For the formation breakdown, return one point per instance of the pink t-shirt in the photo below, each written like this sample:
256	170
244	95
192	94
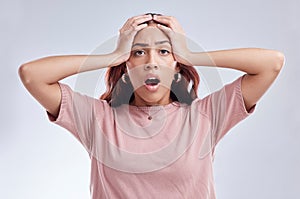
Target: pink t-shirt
169	156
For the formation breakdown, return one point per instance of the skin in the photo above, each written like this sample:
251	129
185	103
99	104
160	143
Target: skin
41	76
261	66
151	55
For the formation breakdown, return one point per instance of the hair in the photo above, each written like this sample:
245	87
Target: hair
118	92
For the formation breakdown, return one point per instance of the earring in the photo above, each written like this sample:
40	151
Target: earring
177	77
124	78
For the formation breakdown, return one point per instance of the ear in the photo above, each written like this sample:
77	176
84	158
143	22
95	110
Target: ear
177	68
127	64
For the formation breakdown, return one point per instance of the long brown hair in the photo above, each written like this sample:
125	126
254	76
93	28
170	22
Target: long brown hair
118	93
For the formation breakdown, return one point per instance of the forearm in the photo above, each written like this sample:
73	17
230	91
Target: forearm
252	61
50	70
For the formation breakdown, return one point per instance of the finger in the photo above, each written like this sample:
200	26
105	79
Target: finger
165	29
141	26
130	20
172	25
134	21
164	19
135	27
170	22
141	20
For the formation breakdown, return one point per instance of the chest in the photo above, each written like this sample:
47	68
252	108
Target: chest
129	145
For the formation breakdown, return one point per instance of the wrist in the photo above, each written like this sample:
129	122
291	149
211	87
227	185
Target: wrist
116	58
185	57
200	59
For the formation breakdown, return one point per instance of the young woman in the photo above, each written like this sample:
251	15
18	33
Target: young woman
150	136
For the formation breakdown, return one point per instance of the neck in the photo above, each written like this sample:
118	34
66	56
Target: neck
138	101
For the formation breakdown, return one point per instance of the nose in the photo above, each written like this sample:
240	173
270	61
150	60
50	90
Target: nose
151	66
151	62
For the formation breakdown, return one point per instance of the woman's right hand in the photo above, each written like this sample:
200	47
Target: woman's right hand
126	37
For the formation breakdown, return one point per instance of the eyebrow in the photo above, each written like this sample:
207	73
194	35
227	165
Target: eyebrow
156	43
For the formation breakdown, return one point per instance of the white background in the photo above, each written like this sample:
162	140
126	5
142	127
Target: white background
258	159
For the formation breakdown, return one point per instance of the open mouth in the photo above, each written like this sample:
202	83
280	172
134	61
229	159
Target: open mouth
152	83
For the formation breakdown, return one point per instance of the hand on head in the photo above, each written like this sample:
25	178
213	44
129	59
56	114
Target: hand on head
176	34
169	25
126	37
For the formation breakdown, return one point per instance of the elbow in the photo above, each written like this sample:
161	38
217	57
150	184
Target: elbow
279	61
25	74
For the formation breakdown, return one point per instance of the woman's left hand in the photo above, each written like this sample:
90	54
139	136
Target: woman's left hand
176	34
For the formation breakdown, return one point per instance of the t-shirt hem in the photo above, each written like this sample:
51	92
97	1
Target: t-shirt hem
240	95
62	105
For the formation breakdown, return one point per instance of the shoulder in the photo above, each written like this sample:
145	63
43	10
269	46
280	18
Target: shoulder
221	97
80	99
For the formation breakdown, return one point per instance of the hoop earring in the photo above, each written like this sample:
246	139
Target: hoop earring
177	77
124	78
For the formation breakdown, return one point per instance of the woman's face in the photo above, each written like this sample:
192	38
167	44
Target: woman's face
151	67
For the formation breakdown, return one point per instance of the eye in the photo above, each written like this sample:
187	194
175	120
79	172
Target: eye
138	52
164	52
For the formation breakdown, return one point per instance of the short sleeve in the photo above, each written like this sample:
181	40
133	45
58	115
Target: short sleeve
226	108
76	114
